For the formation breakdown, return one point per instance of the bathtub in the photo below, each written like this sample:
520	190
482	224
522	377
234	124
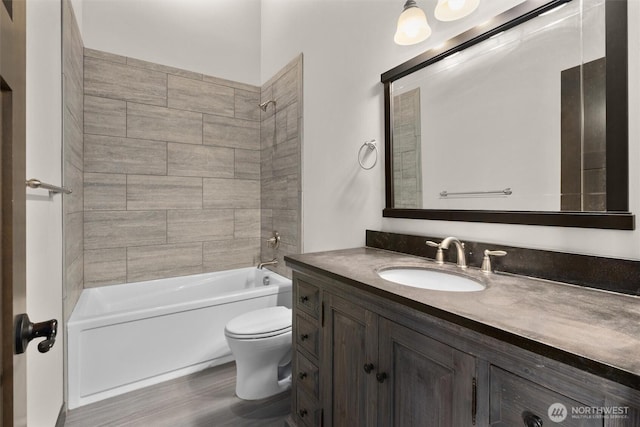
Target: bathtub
125	337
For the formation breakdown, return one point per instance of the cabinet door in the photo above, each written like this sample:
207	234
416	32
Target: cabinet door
349	342
427	382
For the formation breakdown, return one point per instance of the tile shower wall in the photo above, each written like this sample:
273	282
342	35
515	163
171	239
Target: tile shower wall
281	163
171	171
73	216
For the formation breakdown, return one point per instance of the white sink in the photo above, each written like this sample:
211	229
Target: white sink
430	279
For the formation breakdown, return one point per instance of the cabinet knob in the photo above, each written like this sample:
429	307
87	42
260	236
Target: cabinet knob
368	367
381	376
303	413
302	375
531	420
304	337
304	299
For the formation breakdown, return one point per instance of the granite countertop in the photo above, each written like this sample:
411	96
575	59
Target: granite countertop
593	330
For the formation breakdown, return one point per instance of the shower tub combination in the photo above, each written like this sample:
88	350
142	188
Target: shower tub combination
125	337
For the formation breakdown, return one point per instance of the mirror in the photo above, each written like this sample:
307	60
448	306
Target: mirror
520	120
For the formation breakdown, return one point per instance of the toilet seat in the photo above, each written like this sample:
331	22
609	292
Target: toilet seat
263	323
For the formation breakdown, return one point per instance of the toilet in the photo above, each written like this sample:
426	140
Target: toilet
260	341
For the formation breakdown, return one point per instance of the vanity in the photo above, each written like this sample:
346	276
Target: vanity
523	351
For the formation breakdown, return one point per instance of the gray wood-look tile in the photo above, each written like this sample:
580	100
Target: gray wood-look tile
118	81
200	160
73	236
204	399
105	191
163	124
267	132
160	261
116	229
146	192
105	267
230	132
231	83
100	54
229	254
286	158
72	140
163	68
246	105
286	87
110	154
230	193
199	225
73	180
280	192
281	126
194	95
293	116
247	223
287	222
104	116
73	99
73	284
247	164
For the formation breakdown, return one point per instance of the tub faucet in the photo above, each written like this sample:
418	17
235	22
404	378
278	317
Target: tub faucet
462	260
272	262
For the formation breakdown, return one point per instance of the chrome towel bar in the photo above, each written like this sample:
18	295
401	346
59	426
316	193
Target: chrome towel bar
506	192
36	183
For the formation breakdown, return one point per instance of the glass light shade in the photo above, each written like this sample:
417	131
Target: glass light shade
450	10
412	26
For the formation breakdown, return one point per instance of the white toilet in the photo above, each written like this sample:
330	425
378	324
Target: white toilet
260	341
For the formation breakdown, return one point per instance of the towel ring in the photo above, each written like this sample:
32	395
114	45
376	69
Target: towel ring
370	145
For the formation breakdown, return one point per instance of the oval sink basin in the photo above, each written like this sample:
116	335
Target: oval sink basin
430	279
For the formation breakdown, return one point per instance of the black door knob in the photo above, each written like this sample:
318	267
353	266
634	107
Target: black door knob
304	299
25	331
531	420
368	367
381	376
304	337
303	413
302	375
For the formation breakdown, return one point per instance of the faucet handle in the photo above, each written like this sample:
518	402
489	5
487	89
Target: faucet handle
486	261
439	253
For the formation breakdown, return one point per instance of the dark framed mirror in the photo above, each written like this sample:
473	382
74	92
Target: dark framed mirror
556	157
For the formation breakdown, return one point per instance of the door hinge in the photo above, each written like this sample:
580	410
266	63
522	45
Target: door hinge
474	401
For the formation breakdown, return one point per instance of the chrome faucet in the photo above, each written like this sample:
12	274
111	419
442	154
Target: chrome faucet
273	262
462	260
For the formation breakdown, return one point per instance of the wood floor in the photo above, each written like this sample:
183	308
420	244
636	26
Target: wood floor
203	399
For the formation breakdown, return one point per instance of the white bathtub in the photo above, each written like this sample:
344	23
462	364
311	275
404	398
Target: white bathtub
124	337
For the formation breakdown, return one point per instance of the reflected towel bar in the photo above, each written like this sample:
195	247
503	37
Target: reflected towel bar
506	192
36	183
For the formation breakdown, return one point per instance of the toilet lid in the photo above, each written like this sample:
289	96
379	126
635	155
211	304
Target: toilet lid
260	322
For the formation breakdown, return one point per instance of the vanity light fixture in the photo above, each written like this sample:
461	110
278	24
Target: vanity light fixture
412	25
451	10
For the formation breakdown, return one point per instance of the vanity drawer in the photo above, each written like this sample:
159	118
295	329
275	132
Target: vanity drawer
308	411
308	298
514	399
307	335
307	375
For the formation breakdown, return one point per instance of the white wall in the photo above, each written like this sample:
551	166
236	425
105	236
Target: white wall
346	46
215	37
44	213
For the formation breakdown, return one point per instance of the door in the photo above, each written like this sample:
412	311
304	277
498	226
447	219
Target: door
350	352
427	383
12	200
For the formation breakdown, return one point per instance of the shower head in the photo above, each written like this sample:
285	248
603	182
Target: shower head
265	104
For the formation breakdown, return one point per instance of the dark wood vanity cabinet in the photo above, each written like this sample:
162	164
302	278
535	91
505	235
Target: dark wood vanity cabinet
361	360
